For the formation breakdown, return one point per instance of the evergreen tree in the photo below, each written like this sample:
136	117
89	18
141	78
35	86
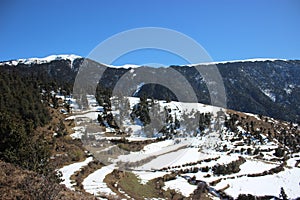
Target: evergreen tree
100	120
141	111
22	110
282	194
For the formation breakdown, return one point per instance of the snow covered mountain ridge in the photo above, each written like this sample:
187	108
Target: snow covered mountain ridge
263	86
72	57
47	59
236	61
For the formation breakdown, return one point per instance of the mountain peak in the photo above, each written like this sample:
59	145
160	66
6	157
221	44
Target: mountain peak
47	59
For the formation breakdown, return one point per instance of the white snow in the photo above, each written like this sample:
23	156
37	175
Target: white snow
254	166
267	185
288	90
269	94
146	176
72	57
126	66
153	149
292	161
69	170
176	158
79	132
95	184
170	153
92	115
138	88
47	59
235	61
253	115
181	185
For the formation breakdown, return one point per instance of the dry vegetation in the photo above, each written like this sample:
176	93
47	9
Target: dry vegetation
64	149
16	183
80	175
128	182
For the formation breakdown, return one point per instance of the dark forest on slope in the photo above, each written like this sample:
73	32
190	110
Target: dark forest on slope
270	88
21	112
26	142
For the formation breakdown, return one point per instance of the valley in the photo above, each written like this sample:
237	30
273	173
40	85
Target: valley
108	146
222	163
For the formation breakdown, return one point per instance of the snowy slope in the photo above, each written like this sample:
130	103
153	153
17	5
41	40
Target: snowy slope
185	153
70	57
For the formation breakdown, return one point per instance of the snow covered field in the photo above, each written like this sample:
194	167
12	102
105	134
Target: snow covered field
175	154
267	185
181	185
154	149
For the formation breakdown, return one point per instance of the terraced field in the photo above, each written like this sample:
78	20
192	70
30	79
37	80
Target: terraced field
218	163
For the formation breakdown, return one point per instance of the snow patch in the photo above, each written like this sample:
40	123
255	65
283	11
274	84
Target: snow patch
181	185
266	185
126	66
95	184
69	170
268	93
47	59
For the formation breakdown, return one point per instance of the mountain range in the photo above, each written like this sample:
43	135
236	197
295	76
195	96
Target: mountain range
269	87
103	143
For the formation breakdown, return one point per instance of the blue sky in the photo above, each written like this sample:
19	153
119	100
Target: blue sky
228	30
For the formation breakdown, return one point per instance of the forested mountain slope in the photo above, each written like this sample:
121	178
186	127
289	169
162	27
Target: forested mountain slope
267	87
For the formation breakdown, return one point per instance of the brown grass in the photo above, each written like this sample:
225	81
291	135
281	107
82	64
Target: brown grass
17	183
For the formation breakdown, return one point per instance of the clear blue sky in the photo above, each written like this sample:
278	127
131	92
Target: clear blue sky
228	30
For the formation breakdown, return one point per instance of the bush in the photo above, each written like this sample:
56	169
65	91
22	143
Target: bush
246	197
279	152
76	155
230	168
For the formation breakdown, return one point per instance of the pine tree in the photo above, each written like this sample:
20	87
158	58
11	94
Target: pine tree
100	120
282	194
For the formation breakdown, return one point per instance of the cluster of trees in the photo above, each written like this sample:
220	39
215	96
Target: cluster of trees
282	196
141	111
20	96
121	105
196	122
103	95
163	120
167	122
107	119
170	123
231	122
21	112
204	121
290	138
230	168
255	130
